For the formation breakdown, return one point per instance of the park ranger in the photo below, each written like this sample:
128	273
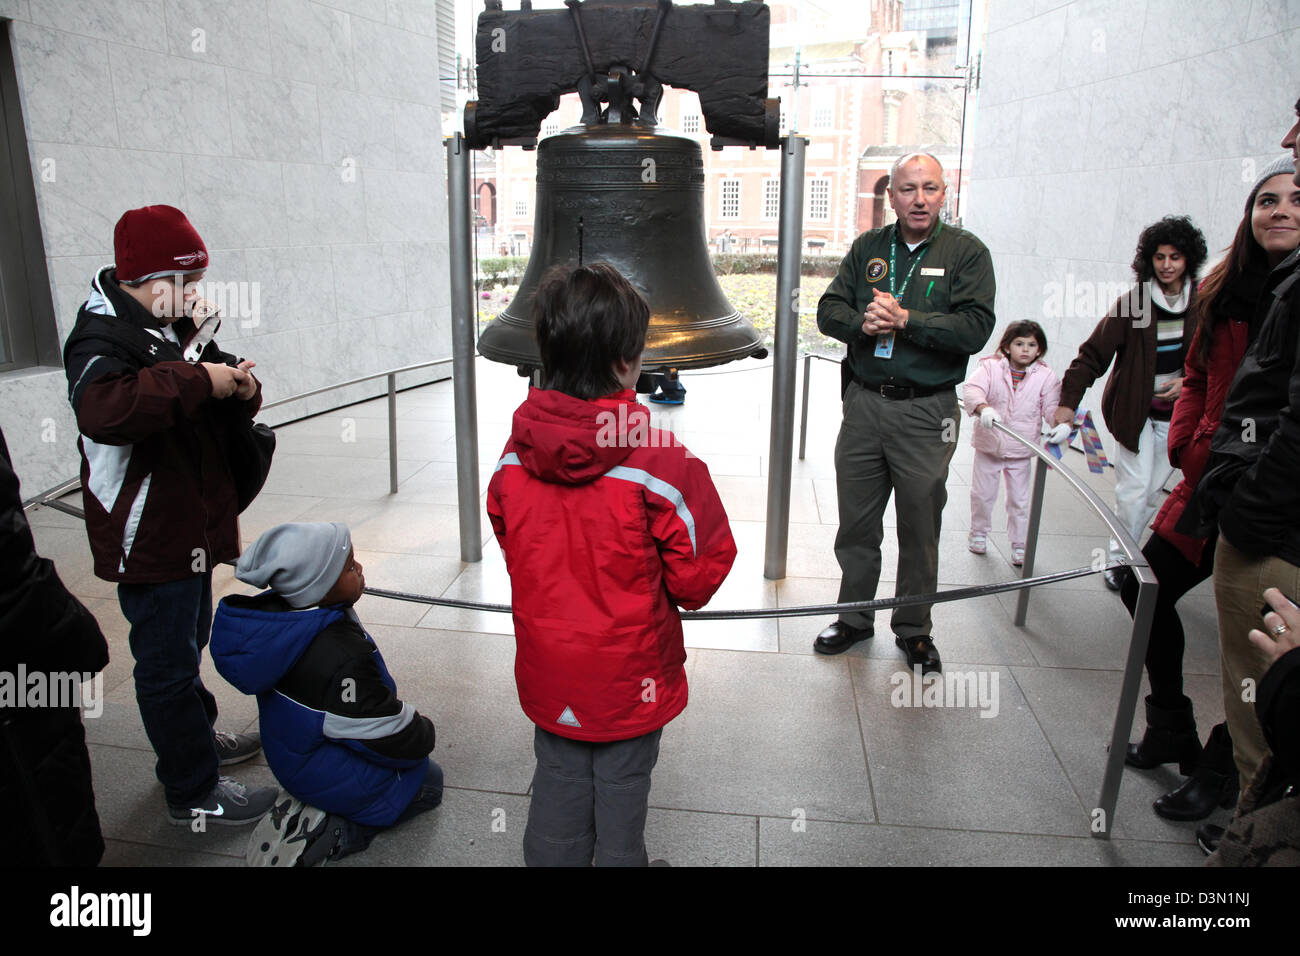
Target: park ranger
913	301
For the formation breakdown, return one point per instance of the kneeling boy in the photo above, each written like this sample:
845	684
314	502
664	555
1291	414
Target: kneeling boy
354	756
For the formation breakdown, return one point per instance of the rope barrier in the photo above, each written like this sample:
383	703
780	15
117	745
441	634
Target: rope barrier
803	610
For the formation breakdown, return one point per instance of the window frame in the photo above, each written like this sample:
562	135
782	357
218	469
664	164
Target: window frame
812	182
722	198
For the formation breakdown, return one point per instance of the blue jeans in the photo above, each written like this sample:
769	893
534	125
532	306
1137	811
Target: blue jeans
170	624
357	836
671	387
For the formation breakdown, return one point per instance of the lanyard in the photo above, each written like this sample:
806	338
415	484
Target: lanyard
893	252
885	341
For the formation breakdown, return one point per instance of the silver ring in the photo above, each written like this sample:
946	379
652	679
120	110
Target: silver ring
1279	630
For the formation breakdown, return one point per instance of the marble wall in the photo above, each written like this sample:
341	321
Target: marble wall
303	139
1097	117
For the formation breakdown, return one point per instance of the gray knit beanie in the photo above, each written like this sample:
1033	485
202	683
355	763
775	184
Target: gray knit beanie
300	562
1283	164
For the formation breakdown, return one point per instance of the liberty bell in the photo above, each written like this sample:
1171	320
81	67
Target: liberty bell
619	189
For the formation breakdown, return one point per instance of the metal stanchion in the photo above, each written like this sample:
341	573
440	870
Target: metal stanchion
1031	539
462	348
803	418
392	433
784	357
1103	815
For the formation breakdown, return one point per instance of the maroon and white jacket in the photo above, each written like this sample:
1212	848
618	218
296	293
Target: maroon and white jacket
159	497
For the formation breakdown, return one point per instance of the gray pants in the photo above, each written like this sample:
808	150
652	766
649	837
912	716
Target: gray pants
901	446
589	801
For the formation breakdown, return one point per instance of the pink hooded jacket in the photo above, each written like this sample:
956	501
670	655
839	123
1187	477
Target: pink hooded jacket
1022	409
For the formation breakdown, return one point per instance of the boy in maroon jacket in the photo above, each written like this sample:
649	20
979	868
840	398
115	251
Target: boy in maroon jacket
607	525
152	394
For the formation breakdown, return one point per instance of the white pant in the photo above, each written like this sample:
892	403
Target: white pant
1138	480
984	492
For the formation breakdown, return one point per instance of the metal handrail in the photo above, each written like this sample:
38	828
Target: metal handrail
1119	532
49	496
1102	816
355	381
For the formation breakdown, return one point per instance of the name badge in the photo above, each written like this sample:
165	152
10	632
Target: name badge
931	272
885	345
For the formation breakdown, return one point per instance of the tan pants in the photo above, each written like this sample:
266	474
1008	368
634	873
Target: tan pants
901	448
1239	584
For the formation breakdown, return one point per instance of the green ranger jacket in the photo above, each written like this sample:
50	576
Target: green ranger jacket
949	300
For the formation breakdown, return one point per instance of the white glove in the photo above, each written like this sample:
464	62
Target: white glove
989	415
1059	435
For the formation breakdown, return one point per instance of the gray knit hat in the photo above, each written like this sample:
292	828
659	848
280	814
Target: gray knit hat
300	562
1283	164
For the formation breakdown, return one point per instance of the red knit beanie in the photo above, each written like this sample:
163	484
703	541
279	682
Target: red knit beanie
155	241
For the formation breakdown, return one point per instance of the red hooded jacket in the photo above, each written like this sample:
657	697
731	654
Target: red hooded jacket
607	525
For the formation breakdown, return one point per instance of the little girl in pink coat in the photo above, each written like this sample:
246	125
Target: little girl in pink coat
1015	388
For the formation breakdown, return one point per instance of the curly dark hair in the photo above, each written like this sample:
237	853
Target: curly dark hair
1176	231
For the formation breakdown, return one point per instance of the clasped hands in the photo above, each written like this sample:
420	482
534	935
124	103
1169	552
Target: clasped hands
230	380
884	314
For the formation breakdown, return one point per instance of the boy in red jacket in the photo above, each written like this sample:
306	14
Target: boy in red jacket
607	525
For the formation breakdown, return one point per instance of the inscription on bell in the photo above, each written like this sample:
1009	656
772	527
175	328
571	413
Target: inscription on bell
619	176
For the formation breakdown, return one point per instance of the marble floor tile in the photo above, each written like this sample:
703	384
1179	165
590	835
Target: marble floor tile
465	683
1076	710
952	766
841	844
777	732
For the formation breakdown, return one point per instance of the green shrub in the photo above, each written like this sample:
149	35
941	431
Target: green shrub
754	263
501	269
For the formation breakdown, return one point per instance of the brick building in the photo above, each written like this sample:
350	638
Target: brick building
866	95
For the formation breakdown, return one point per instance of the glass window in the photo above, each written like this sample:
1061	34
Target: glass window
771	198
691	123
521	206
819	200
731	199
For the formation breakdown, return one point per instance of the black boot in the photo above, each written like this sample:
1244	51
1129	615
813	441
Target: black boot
1170	738
1214	784
1208	836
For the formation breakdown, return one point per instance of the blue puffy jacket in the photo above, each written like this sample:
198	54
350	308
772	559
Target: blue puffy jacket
333	730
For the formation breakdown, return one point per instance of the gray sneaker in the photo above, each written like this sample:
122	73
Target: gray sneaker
286	833
230	804
236	748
